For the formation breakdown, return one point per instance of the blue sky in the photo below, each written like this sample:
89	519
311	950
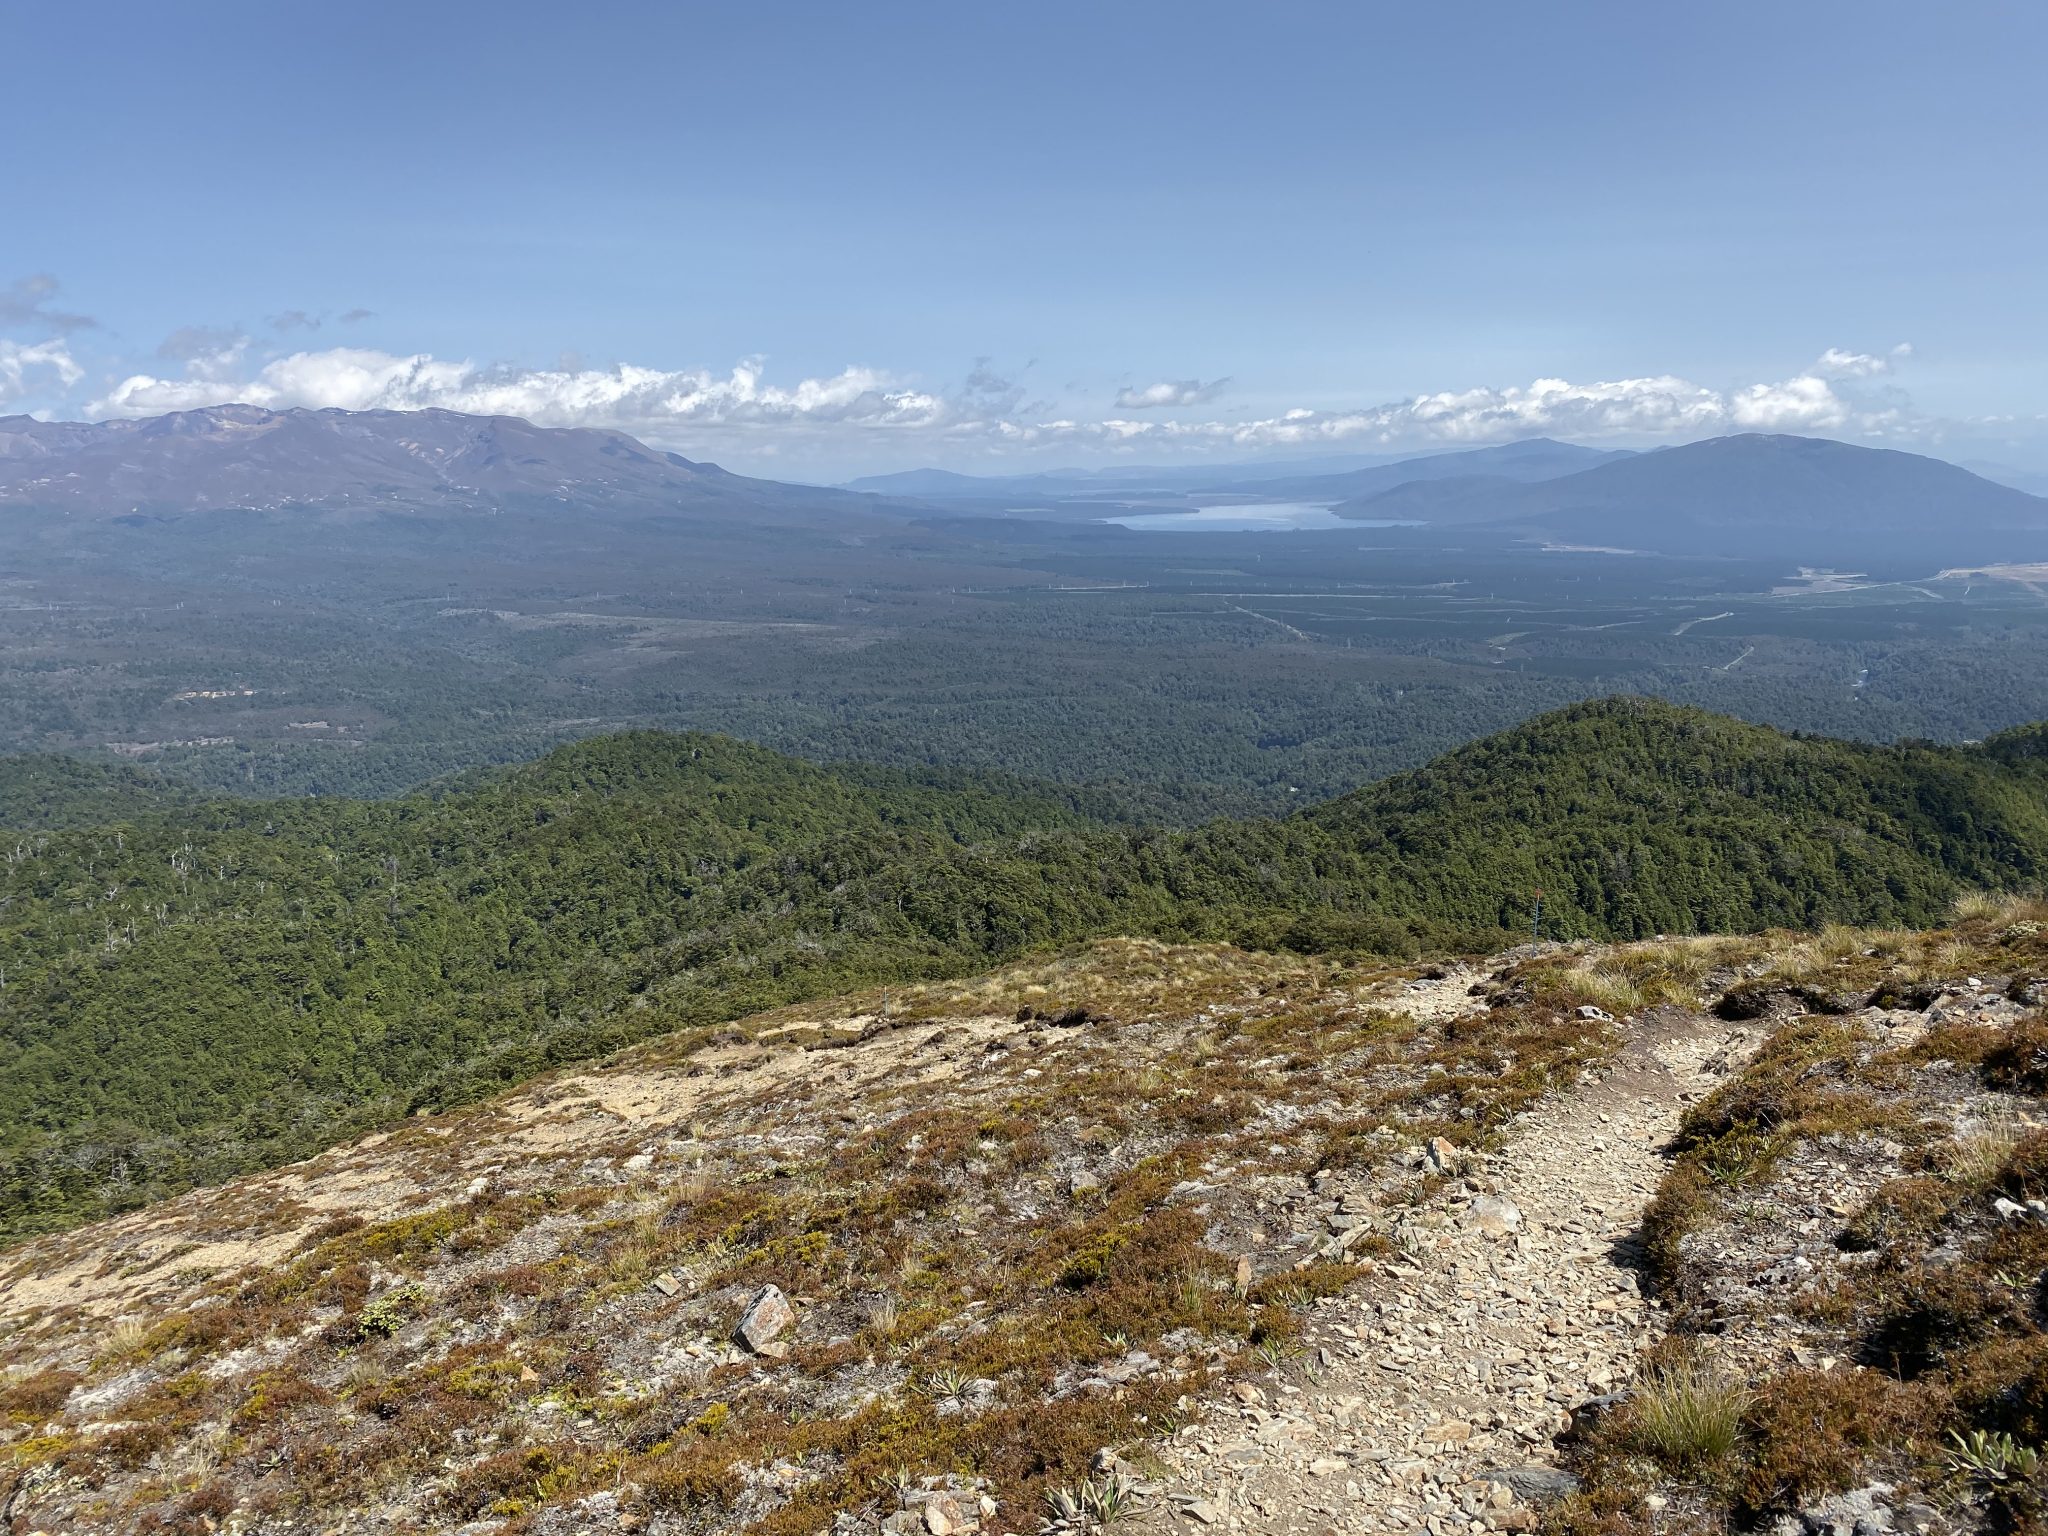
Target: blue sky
821	239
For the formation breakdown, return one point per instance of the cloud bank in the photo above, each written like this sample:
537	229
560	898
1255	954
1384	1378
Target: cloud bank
668	405
630	398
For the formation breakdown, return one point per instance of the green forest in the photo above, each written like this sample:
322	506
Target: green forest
191	987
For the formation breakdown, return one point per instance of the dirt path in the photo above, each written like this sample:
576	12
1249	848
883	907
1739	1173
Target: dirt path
1463	1360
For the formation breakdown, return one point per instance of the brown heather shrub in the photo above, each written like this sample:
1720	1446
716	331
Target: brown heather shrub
2020	1061
697	1475
514	1480
1814	1433
2025	1175
37	1398
272	1398
2003	1388
1931	1315
327	1231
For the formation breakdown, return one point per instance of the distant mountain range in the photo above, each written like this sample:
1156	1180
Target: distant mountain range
1750	492
1742	489
245	457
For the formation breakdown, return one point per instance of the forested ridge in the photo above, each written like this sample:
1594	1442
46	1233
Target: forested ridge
203	987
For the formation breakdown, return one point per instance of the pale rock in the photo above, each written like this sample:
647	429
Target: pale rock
1494	1215
767	1317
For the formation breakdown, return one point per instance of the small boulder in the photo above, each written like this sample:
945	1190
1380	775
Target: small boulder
1494	1215
767	1317
1440	1156
943	1516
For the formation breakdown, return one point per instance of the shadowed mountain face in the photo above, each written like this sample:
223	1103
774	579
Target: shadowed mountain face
1730	492
241	456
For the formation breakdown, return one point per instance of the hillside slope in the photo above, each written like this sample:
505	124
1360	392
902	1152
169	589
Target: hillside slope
1182	1235
229	984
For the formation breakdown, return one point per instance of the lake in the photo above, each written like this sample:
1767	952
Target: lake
1252	517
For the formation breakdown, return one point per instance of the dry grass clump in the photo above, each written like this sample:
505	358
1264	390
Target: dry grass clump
1998	909
1687	1415
1628	977
1983	1147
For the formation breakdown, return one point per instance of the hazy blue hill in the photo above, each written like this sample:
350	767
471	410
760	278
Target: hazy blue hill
1724	492
1535	459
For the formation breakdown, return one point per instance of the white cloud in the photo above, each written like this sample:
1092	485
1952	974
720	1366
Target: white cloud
626	397
1647	407
1835	363
1805	404
17	362
1169	392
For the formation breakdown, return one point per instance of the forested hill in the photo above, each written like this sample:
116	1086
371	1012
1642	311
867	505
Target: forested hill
1639	818
194	991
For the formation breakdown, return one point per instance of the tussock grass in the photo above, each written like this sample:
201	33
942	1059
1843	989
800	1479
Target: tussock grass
1687	1415
1630	977
2000	909
1983	1147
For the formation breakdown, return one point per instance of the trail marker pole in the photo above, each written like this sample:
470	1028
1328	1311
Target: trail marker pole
1536	923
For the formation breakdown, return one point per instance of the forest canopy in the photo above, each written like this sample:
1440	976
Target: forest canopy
193	988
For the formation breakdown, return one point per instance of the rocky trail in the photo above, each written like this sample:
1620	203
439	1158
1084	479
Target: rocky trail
1430	1397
